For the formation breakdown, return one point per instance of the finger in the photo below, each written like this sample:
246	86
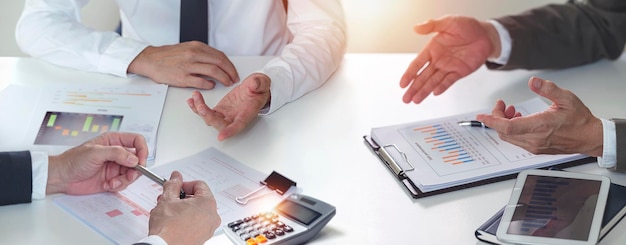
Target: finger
429	86
126	140
212	71
195	81
418	83
498	109
429	26
119	183
171	188
199	105
119	155
549	90
191	105
232	129
219	59
446	83
210	117
414	67
197	188
510	112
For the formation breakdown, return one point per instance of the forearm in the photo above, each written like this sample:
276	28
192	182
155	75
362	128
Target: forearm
314	54
52	30
565	35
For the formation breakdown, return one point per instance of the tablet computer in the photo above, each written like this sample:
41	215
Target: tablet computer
554	207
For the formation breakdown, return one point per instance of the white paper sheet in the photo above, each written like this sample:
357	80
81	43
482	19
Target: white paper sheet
445	154
123	217
62	116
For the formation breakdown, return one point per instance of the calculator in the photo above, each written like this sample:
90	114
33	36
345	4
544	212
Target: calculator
295	220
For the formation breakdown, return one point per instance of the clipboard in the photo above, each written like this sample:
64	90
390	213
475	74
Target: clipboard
395	167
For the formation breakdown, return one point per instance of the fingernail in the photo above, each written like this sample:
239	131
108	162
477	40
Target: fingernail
115	184
536	82
132	159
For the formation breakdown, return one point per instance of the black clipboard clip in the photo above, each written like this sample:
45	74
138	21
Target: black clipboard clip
276	182
387	159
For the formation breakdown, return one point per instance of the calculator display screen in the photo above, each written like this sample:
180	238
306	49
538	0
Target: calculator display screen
298	212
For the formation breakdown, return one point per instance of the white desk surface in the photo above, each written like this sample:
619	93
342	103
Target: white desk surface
317	141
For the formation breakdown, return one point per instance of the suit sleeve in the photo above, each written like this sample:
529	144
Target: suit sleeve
620	137
15	177
565	35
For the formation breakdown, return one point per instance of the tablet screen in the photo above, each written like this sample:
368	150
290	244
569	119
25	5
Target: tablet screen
555	207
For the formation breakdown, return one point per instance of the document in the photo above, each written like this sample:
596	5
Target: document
440	153
63	116
123	217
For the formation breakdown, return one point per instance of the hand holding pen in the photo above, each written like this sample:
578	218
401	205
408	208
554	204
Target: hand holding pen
184	221
158	179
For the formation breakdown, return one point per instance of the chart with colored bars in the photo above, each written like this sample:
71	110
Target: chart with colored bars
447	148
68	128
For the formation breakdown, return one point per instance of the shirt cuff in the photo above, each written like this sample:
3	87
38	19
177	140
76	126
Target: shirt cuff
117	58
152	240
39	161
609	148
281	89
505	43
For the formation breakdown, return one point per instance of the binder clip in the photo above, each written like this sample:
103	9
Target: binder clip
275	182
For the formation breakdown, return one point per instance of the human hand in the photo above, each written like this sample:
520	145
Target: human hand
567	126
192	220
460	47
104	163
188	64
237	109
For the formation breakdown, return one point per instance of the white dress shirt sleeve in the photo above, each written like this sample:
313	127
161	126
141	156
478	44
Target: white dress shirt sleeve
52	30
609	149
153	240
39	161
314	54
505	43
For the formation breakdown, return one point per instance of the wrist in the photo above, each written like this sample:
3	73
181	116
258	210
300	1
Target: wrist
139	65
494	39
55	183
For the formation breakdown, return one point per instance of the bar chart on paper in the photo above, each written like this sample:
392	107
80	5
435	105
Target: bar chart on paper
68	128
447	148
70	115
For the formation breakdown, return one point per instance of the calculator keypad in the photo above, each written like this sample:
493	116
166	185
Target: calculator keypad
260	228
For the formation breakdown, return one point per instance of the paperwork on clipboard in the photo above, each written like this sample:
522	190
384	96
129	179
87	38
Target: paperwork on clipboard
437	156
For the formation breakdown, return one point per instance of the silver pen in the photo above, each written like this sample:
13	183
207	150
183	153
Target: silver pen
158	179
473	123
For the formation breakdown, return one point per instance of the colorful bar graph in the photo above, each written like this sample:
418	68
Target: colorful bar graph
67	128
442	141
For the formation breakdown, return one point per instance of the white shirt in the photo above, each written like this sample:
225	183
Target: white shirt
609	145
309	39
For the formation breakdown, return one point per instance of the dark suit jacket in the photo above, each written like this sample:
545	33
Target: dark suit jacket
567	35
16	177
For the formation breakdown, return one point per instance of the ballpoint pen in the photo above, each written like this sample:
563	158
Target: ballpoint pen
473	123
158	179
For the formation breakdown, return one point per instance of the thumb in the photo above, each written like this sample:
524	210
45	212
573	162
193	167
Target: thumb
426	27
171	188
120	155
548	89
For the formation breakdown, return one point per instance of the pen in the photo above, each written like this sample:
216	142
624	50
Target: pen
473	123
151	175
